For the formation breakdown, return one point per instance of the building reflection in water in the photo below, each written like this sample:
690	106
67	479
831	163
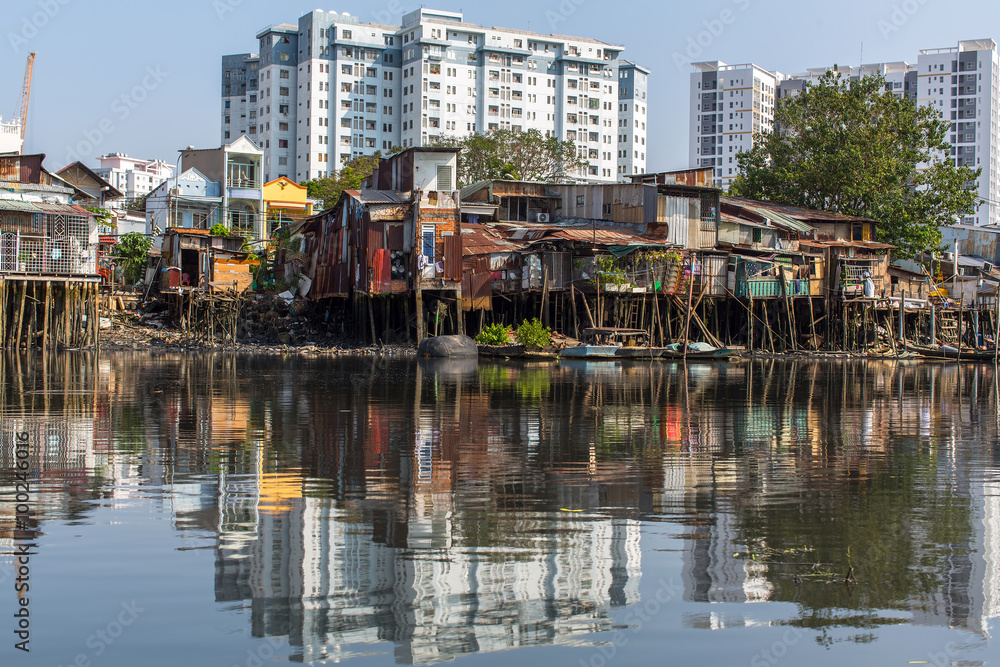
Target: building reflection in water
452	508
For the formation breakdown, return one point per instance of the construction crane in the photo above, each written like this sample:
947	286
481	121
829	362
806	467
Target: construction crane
22	110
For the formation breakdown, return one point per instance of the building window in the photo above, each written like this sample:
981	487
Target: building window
427	242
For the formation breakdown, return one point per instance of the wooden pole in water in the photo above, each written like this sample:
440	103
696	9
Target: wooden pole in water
687	319
812	325
656	313
590	316
750	321
419	298
46	333
788	311
543	314
3	313
576	320
767	328
958	330
20	312
996	330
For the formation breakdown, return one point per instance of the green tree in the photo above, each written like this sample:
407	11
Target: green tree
219	229
138	204
132	254
512	155
103	216
856	148
350	177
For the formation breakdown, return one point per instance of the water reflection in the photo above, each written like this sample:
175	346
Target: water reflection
453	507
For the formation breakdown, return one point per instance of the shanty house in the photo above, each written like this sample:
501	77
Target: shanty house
193	259
42	231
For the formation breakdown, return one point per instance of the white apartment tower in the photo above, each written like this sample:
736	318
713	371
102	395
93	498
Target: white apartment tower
239	95
632	80
729	105
332	88
961	82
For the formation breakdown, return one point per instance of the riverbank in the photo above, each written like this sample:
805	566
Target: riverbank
125	335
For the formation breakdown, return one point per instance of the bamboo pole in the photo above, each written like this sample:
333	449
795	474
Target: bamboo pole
656	313
958	330
543	314
770	331
3	314
996	333
812	324
687	322
590	316
20	316
576	319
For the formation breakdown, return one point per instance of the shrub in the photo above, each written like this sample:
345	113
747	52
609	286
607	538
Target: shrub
218	229
532	333
494	334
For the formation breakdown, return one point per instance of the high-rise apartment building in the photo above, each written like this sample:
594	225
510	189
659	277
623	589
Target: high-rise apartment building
331	88
961	82
730	104
632	86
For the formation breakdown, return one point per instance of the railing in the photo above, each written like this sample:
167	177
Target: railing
45	255
771	288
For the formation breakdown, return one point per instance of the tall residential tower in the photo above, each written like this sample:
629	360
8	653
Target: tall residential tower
331	88
961	82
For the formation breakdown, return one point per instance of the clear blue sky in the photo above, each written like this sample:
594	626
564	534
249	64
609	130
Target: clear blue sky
144	78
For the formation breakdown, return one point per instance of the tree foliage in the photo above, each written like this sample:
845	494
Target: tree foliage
350	177
513	155
131	253
853	147
104	218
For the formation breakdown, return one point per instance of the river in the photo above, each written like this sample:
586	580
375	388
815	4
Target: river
210	509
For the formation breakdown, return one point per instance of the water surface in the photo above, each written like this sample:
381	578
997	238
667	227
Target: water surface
221	510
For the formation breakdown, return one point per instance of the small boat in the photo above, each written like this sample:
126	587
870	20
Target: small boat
950	352
612	343
698	351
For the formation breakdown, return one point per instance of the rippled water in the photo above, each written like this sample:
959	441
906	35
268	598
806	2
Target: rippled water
218	510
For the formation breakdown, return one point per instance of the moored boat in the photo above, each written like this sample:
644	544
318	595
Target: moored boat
613	343
698	351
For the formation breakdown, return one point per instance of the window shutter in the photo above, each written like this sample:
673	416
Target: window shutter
444	178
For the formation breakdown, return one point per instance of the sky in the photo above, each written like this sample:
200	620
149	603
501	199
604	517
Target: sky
144	78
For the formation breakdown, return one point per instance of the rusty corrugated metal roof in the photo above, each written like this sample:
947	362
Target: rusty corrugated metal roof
479	239
797	212
870	245
602	236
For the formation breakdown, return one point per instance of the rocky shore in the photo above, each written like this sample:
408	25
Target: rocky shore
127	333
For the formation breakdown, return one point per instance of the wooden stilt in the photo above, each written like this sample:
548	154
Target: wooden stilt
576	318
20	313
420	314
813	343
590	317
767	329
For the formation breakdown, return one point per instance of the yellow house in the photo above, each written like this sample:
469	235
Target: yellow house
284	202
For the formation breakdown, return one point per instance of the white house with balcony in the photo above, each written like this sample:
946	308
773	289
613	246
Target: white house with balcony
237	167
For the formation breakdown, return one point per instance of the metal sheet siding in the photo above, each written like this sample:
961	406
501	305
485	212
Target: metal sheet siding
676	212
453	257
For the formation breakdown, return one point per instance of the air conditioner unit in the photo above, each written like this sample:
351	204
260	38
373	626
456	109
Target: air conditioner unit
543	217
987	267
